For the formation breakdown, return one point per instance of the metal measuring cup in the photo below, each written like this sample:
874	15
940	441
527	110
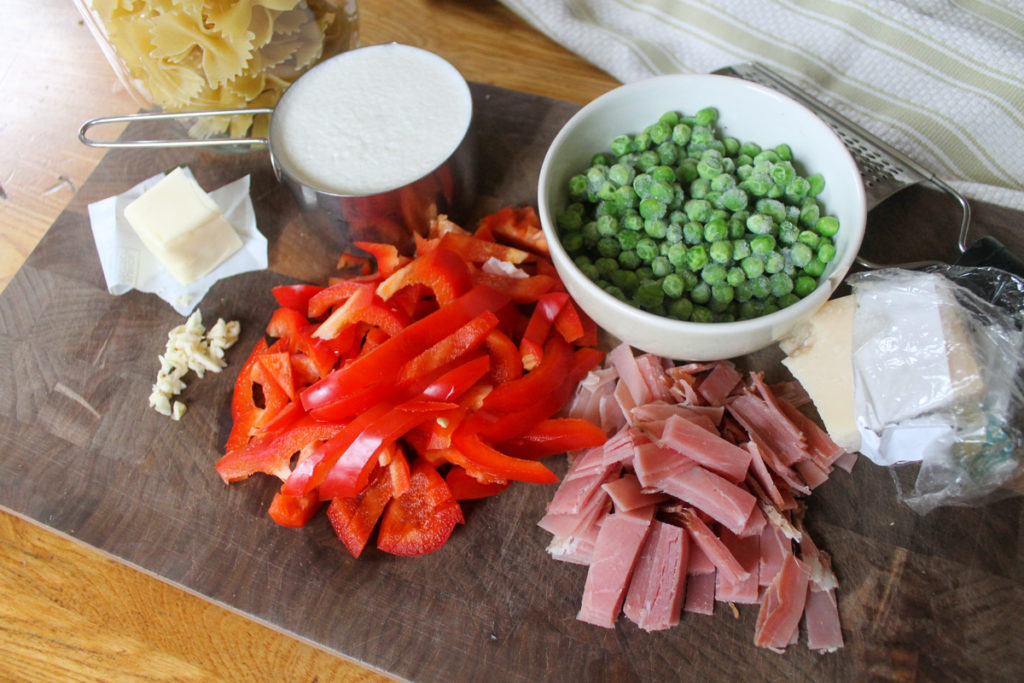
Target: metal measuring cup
392	215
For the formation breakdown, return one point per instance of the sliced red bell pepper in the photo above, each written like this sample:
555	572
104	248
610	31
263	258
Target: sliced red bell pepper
569	324
345	314
293	325
353	519
553	436
398	468
467	338
275	399
519	226
548	307
386	255
272	454
278	369
506	363
465	487
476	250
353	461
370	367
293	511
443	271
491	465
535	385
295	297
331	296
522	290
422	519
244	411
452	384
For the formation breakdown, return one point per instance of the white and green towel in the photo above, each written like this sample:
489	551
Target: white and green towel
940	80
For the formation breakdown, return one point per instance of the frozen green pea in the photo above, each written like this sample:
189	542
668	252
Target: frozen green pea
674	233
662	191
661	267
677	255
668	152
693	232
715	229
680	309
649	294
648	160
698	210
735	276
740	249
686	171
590	271
607	191
827	226
744	291
599	159
589	232
664	174
804	285
608	246
774	262
627	239
702	314
788	300
709	167
641	141
758	184
578	186
656	228
621	174
701	293
800	254
788	232
810	238
646	249
681	134
642	185
815	268
781	284
626	197
699	188
721	251
782	173
626	280
615	291
753	266
760	287
607	225
569	221
722	292
706	117
628	259
766	155
797	189
713	273
652	208
606	266
809	213
826	251
659	132
701	136
760	224
696	257
771	207
621	145
816	183
572	241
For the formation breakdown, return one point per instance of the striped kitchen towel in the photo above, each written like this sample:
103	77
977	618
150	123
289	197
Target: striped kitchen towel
940	80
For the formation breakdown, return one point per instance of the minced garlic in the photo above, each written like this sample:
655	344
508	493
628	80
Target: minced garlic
190	347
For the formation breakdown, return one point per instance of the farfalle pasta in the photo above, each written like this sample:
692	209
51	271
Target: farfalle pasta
190	55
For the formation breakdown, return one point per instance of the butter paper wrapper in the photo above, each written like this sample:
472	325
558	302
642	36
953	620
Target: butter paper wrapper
128	264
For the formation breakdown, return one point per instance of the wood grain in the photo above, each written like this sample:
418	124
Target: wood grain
69	612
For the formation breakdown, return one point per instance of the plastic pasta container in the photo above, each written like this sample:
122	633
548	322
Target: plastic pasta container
191	55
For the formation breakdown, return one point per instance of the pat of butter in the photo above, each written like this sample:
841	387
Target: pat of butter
183	227
820	357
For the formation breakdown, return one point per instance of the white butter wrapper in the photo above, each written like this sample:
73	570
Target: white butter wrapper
128	264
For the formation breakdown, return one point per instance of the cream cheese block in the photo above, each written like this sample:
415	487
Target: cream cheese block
820	356
183	227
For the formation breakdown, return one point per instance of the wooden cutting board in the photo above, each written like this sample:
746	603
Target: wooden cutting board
936	597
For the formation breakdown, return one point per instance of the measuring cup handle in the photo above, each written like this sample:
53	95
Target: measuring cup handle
211	142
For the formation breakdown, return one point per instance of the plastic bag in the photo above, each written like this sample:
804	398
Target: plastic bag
939	391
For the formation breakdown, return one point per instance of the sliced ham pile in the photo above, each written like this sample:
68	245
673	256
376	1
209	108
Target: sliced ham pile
696	497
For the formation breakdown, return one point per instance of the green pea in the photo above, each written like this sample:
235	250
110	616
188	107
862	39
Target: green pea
656	228
827	226
661	267
713	273
721	251
606	266
659	132
753	266
697	257
815	268
701	293
649	294
826	252
804	285
572	241
702	314
608	246
698	210
681	134
800	254
677	255
646	249
628	259
816	184
680	309
693	232
652	208
774	262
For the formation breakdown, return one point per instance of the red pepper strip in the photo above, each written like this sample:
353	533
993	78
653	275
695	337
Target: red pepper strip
467	338
422	519
331	296
347	260
244	411
464	487
278	369
347	463
295	297
274	397
569	324
287	322
395	352
590	332
476	250
506	363
346	314
535	385
386	255
522	290
489	464
443	271
498	425
398	468
286	418
272	455
553	436
353	519
454	383
425	244
548	307
293	511
519	226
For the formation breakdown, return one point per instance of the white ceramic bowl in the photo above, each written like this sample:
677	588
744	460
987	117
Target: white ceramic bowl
748	112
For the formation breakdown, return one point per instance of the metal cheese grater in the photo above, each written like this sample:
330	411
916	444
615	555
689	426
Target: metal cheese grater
883	169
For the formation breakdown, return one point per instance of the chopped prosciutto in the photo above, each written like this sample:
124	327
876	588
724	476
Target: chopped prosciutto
618	547
782	605
706	448
697	497
656	590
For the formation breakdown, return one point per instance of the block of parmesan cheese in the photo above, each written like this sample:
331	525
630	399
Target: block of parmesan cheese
183	227
820	356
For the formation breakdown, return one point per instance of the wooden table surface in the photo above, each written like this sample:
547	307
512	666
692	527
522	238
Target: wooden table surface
68	611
